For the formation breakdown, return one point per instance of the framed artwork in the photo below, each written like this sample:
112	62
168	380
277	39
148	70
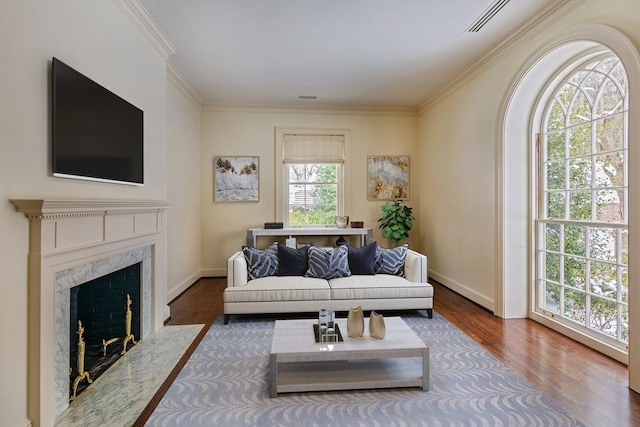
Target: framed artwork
387	177
236	178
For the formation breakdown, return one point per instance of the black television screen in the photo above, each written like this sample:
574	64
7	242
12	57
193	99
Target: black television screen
96	134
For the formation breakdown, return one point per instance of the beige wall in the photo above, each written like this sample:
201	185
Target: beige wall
251	131
460	133
183	173
97	39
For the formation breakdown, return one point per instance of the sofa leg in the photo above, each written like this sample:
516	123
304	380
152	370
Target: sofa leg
227	318
430	313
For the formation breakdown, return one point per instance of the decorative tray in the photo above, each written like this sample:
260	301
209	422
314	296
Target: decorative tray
316	332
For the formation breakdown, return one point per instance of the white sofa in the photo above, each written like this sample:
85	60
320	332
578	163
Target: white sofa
298	294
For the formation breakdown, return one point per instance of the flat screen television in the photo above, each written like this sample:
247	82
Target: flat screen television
97	135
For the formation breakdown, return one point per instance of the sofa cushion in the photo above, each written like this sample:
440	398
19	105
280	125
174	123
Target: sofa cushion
380	286
361	260
390	261
276	288
292	262
261	263
329	263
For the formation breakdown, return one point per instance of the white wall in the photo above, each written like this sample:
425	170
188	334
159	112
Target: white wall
251	131
184	217
97	39
459	145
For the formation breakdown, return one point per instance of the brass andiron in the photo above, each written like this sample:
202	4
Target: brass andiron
81	372
128	336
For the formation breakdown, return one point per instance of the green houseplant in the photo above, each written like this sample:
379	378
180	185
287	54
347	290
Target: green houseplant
396	221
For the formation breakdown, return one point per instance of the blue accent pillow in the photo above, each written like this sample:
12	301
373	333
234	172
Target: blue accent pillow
390	261
361	259
261	263
292	262
328	264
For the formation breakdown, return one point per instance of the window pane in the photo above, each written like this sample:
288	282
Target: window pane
556	120
604	279
575	305
580	109
552	237
313	194
610	205
580	172
555	175
575	272
602	243
552	297
611	101
624	285
580	205
610	134
555	145
604	316
610	170
575	242
552	266
556	205
580	140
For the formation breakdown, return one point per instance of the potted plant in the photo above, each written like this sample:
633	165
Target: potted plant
396	220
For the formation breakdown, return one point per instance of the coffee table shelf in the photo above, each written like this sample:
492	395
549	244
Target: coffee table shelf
299	364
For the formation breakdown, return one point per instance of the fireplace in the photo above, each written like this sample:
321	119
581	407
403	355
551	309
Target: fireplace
73	242
105	315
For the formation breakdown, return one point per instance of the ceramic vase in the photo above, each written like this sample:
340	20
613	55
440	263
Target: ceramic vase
355	322
377	329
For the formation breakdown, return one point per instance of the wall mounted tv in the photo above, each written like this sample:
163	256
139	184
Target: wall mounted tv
97	135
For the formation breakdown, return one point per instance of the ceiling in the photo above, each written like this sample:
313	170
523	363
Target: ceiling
350	53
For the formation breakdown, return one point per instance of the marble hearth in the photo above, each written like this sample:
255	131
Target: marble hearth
71	242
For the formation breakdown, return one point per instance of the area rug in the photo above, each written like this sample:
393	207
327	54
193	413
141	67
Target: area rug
225	383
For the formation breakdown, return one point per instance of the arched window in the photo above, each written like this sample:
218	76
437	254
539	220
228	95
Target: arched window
582	214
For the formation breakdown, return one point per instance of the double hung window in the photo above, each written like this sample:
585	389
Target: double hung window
312	178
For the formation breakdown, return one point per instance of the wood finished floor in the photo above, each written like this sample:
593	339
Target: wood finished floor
591	387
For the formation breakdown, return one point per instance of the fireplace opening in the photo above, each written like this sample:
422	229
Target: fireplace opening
104	324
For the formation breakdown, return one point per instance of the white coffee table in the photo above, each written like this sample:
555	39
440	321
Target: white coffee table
299	364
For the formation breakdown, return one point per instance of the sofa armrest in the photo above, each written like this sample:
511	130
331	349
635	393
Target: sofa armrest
237	274
415	267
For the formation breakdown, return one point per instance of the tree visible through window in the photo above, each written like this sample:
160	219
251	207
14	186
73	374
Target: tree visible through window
582	217
313	194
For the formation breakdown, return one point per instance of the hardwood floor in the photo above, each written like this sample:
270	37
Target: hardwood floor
591	387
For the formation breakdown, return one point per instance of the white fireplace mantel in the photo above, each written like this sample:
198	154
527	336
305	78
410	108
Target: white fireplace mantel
66	234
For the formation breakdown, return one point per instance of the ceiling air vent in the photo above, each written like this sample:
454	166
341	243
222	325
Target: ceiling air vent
487	15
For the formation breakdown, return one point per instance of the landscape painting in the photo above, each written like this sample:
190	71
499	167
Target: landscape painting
236	178
387	177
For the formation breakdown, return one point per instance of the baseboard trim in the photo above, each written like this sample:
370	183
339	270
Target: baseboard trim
213	272
184	285
463	290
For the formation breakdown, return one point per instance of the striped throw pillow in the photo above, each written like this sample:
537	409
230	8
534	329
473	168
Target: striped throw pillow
261	263
328	264
390	261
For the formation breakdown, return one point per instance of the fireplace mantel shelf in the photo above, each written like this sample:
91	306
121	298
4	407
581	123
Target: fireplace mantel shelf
46	208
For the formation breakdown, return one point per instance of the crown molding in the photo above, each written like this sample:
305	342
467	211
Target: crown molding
536	25
313	109
174	76
140	17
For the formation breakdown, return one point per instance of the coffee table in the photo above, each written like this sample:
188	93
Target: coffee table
299	364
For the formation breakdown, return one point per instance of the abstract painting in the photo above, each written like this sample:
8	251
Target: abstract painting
236	178
387	177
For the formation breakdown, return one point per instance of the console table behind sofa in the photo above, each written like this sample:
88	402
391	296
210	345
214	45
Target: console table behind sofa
366	234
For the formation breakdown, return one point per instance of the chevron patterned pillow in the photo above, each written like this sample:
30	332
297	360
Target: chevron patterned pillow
261	263
328	264
390	261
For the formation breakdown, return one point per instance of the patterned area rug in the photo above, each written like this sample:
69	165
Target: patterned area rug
225	383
